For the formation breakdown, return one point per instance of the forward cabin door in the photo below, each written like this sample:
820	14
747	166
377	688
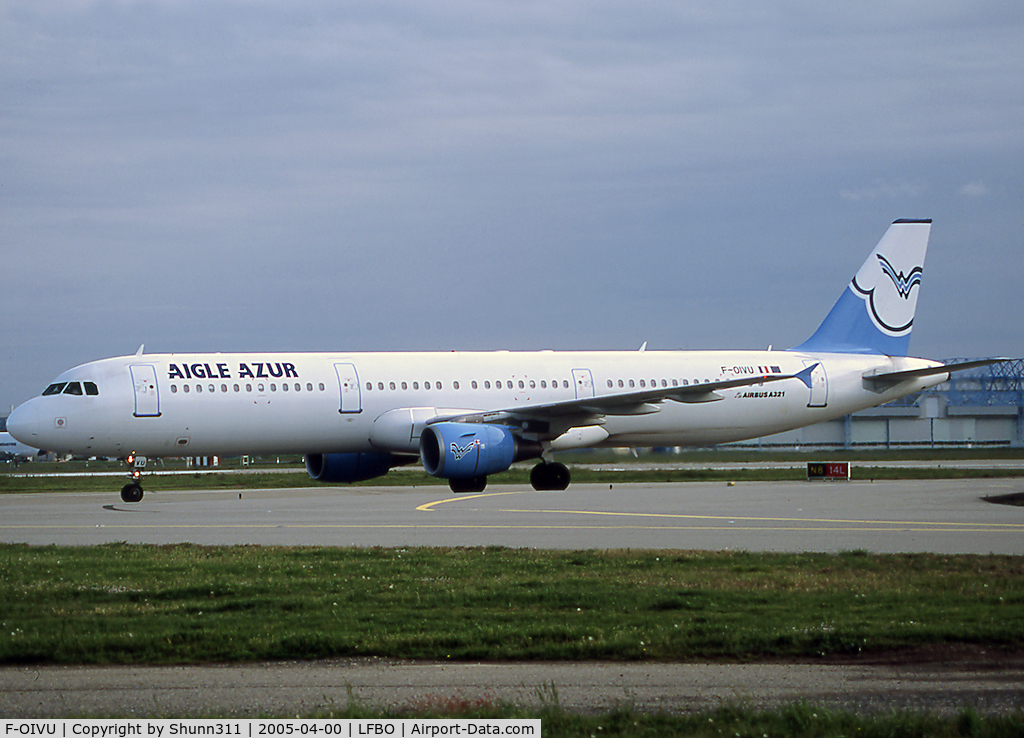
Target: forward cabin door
147	395
348	385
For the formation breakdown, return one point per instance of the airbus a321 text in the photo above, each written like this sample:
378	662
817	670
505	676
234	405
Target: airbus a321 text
466	415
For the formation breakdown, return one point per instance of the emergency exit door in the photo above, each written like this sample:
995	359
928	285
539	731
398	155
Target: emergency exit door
584	382
348	385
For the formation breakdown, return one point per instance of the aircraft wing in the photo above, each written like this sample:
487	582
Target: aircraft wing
590	410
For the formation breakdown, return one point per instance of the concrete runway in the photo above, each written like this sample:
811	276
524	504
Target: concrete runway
937	516
941	516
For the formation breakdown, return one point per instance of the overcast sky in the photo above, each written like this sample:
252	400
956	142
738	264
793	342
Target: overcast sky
222	176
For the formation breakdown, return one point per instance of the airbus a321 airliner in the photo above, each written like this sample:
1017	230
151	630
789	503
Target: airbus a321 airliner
465	415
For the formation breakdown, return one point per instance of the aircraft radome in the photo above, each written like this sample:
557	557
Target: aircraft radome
465	415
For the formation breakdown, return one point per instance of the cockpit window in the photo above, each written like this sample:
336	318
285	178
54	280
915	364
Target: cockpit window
72	388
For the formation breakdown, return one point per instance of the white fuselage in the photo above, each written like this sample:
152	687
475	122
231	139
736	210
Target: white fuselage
319	403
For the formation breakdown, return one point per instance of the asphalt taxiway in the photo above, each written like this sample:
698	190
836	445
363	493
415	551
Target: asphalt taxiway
291	688
940	516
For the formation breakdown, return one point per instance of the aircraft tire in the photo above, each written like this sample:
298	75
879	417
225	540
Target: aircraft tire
472	484
131	492
550	477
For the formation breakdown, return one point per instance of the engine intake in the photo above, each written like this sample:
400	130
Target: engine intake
468	450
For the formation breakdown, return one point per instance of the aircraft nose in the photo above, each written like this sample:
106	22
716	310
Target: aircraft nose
23	424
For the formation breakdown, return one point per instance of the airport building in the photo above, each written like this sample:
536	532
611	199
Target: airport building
977	407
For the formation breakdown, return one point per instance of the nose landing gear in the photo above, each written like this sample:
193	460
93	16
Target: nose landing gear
132	492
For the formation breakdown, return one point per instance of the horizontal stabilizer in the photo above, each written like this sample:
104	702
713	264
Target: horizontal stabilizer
884	380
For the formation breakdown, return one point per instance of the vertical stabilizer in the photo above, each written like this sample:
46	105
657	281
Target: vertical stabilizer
876	312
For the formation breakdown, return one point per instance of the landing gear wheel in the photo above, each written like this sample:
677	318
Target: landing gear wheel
549	476
131	492
472	484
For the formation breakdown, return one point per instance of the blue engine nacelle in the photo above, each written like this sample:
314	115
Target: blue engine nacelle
468	450
347	467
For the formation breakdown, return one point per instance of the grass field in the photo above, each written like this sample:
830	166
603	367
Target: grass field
185	604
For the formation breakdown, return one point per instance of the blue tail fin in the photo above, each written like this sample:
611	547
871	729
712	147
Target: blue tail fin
876	312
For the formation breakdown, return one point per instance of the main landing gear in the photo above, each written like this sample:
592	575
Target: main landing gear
549	475
132	492
546	476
